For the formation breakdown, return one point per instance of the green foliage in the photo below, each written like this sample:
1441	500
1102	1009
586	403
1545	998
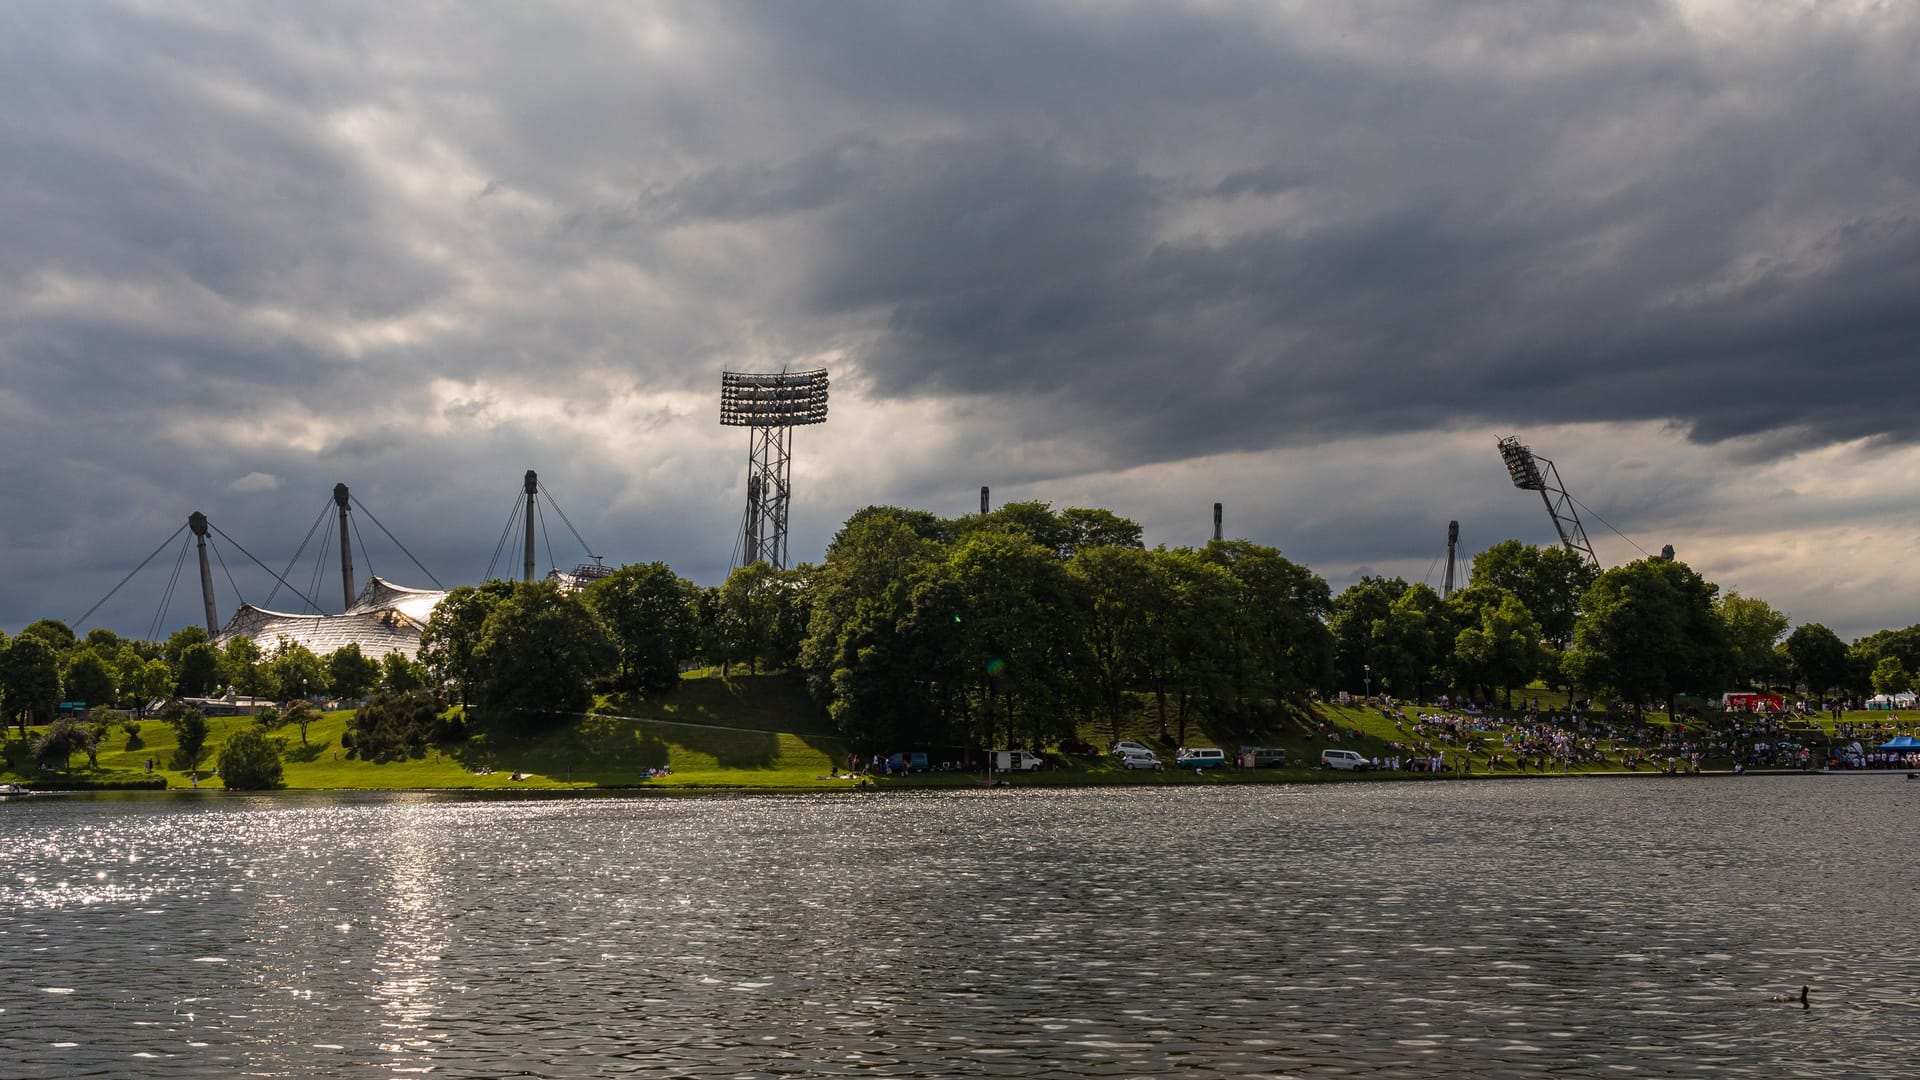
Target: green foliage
179	641
397	726
88	678
651	615
55	633
1819	658
1504	649
538	654
1409	643
61	739
1350	622
190	738
153	682
1890	676
399	675
250	761
1753	627
300	713
349	674
198	672
1649	630
294	672
30	680
1549	581
452	635
242	663
1285	648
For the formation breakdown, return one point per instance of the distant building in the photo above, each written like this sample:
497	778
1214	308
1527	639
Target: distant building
385	618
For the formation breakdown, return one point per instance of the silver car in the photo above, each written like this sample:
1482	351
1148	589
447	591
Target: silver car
1138	759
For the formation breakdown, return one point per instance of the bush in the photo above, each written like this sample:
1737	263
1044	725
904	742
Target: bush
268	718
250	762
190	729
398	726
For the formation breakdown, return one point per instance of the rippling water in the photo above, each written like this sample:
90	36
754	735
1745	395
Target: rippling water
1445	929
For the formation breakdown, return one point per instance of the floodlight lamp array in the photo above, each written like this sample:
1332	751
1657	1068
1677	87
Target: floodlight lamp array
1521	465
779	399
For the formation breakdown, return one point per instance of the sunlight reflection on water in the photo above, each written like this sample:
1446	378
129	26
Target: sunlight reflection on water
1489	929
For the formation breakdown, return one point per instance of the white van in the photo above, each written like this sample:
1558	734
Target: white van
1344	759
1016	760
1201	757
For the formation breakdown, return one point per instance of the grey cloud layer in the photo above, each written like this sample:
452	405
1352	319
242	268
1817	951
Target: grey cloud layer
1152	231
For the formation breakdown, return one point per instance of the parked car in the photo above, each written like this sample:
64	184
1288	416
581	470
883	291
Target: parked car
1078	746
1201	757
1127	745
1344	759
1139	759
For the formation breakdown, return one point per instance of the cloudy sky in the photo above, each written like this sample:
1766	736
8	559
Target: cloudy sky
1310	260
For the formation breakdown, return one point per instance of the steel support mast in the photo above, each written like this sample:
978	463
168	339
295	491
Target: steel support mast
197	522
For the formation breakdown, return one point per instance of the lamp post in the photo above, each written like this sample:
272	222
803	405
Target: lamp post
1366	676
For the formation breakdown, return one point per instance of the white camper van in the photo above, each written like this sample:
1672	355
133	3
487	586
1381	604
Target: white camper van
1016	760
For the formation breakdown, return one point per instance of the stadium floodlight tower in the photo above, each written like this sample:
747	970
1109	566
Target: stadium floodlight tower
770	406
1528	474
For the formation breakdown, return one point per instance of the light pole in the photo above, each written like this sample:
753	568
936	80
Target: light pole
1366	676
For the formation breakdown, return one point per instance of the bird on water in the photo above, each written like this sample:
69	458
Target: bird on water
1801	997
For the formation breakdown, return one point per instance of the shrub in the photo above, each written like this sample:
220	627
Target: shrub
398	726
250	762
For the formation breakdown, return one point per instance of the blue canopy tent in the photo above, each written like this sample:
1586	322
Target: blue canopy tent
1904	744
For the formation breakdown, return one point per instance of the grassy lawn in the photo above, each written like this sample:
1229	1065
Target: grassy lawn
763	732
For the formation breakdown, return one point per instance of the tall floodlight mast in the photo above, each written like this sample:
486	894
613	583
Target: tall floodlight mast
770	405
1531	472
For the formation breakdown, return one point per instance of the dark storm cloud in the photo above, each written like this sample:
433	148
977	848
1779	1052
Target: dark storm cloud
431	248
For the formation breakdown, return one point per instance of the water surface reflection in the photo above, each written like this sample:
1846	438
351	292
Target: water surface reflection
1486	929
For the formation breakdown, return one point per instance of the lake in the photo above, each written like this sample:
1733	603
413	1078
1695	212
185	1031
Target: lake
1493	928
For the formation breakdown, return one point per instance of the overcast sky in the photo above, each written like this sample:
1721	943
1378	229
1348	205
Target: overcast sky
1310	260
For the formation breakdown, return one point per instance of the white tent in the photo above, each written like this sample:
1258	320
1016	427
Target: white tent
1905	699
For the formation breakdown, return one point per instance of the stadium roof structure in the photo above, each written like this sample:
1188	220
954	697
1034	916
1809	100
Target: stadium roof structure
385	618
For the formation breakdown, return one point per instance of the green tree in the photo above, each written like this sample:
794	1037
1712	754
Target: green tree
1889	677
1120	586
88	678
1902	644
153	682
1550	582
350	674
52	631
1351	620
61	739
1020	630
1032	519
396	726
1095	528
750	601
884	645
1182	663
300	713
177	644
452	634
30	676
250	761
1752	628
399	675
1504	649
1409	643
294	672
650	614
539	652
1819	657
1649	630
1283	610
190	737
198	672
242	662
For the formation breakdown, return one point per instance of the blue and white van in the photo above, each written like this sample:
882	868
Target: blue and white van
1201	757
